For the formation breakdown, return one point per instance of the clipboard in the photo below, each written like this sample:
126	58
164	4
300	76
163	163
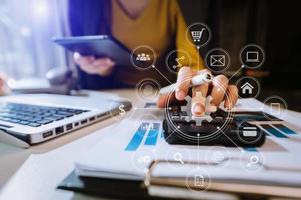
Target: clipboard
170	187
240	188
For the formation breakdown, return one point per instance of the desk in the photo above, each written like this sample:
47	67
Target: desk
35	176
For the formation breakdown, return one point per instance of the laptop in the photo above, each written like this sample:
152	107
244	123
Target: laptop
35	118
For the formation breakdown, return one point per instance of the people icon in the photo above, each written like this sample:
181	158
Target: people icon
143	57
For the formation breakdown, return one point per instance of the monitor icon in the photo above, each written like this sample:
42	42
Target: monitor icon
252	56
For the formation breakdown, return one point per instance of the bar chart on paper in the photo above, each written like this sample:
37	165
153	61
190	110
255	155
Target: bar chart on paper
147	134
138	141
276	137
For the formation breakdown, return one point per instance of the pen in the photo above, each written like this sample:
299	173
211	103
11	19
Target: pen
195	81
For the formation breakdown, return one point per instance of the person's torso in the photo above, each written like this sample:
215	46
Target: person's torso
151	28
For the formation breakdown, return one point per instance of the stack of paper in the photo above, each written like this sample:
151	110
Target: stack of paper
138	141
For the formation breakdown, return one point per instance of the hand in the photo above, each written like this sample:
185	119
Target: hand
91	65
219	85
4	89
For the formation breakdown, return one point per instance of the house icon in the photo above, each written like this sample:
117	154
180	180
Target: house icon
247	88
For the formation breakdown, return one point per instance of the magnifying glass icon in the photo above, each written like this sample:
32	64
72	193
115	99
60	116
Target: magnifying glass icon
178	157
253	161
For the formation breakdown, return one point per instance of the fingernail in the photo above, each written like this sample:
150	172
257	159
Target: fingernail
198	109
180	94
199	94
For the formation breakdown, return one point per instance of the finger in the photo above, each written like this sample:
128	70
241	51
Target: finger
1	83
89	69
2	87
164	99
105	70
232	96
104	66
103	62
202	88
205	86
83	60
198	100
183	83
220	84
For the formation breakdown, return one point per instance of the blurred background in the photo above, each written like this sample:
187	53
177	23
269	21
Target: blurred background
26	29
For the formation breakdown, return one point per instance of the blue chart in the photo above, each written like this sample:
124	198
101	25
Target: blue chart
149	130
274	130
150	133
277	130
252	149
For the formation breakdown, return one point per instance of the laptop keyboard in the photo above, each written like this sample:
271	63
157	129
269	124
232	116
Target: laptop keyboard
33	115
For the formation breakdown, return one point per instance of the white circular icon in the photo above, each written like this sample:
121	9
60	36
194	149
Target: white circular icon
277	107
248	133
177	59
118	109
251	161
143	57
142	159
198	180
177	157
217	155
248	87
198	34
217	60
252	56
148	89
254	160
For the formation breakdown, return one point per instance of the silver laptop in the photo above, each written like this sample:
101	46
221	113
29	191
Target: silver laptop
36	118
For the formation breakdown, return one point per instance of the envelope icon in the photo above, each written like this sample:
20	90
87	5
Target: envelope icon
218	60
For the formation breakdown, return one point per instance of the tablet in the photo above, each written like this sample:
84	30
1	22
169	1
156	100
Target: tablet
98	46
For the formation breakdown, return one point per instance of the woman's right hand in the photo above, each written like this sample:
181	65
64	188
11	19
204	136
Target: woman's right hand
91	65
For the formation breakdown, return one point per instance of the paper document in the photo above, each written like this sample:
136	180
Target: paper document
138	140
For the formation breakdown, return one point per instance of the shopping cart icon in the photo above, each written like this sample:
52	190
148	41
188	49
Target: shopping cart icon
197	35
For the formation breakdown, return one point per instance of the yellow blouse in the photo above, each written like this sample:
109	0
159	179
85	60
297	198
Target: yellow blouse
161	26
